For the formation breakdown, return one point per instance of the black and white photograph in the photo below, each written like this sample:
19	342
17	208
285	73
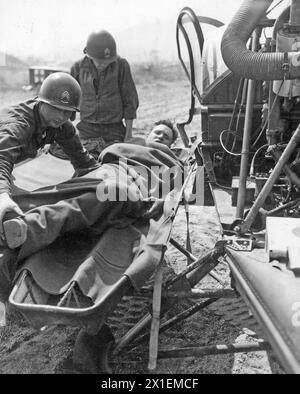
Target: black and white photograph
149	190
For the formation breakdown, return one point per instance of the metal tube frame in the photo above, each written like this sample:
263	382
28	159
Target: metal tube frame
209	350
246	138
245	226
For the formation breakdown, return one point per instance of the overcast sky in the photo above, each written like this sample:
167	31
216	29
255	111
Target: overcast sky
41	27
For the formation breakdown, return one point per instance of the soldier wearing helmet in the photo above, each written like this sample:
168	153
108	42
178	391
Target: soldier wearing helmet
27	127
109	97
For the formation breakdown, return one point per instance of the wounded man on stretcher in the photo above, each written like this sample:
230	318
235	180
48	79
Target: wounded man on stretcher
129	183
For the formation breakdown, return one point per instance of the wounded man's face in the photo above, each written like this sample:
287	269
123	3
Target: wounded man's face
161	134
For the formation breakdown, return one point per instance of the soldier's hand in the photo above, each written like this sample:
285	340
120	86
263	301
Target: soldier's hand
46	149
155	208
7	205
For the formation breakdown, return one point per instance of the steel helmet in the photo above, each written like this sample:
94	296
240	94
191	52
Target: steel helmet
61	90
101	45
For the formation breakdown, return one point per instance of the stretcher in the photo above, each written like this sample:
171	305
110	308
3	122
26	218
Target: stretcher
101	272
80	278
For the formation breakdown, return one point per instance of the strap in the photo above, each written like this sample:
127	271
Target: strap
156	308
188	238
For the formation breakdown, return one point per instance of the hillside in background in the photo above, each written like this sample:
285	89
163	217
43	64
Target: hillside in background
149	42
144	43
10	61
150	48
14	74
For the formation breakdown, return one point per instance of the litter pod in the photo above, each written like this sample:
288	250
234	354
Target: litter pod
272	292
79	281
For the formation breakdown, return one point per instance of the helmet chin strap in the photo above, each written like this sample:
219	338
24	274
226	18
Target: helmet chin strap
73	116
41	106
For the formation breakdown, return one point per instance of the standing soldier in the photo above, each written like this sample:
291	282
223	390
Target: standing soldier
109	95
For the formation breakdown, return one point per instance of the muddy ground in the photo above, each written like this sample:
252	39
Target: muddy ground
24	350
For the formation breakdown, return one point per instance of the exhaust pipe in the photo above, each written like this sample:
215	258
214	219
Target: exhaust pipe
255	65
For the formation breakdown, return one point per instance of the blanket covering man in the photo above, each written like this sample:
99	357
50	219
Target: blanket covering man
77	204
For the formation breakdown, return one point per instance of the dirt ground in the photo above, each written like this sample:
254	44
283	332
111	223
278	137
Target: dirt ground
24	350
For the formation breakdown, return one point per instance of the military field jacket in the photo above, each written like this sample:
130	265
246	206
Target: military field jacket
22	135
109	96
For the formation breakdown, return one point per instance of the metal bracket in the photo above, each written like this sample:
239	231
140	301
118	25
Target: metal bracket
240	244
285	66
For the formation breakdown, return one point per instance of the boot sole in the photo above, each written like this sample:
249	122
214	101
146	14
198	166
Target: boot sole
15	231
